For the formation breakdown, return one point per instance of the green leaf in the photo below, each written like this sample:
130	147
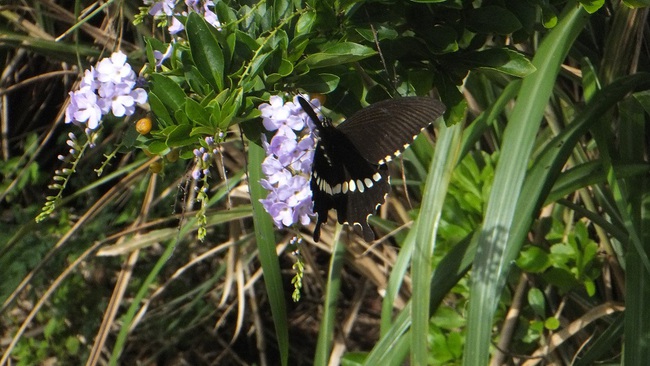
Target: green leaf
549	16
195	80
285	68
382	33
160	112
180	136
318	83
305	22
492	19
157	147
537	301
168	92
258	63
533	259
504	60
339	54
552	323
206	51
197	113
444	39
592	6
202	131
281	9
448	318
637	3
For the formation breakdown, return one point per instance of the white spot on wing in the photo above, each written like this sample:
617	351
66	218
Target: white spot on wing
360	185
368	182
376	177
337	189
353	186
345	187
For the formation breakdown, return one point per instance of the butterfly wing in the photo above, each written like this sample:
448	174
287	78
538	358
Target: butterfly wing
384	129
342	179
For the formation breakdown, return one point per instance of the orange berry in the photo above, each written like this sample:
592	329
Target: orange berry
143	126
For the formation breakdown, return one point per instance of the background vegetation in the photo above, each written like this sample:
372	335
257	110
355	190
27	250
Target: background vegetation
516	232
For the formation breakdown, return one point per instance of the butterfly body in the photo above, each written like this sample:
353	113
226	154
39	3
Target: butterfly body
349	170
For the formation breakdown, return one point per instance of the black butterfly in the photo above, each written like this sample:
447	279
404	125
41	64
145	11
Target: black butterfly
349	170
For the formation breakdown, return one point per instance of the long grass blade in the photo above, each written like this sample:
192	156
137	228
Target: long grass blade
442	165
265	235
493	256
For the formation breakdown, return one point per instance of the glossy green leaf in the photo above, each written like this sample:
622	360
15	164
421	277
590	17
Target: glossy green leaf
180	136
160	111
197	113
206	51
592	6
338	54
492	19
168	92
537	301
552	323
444	39
157	147
534	260
549	16
637	3
381	32
305	22
504	60
318	83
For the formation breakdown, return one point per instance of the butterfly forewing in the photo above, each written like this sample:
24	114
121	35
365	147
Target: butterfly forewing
384	129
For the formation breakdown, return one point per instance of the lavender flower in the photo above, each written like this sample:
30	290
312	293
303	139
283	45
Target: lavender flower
287	165
107	87
170	8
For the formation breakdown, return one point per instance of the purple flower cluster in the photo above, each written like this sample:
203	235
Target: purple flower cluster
169	8
287	165
110	86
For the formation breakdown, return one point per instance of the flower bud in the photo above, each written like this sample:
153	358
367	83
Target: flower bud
155	167
172	156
